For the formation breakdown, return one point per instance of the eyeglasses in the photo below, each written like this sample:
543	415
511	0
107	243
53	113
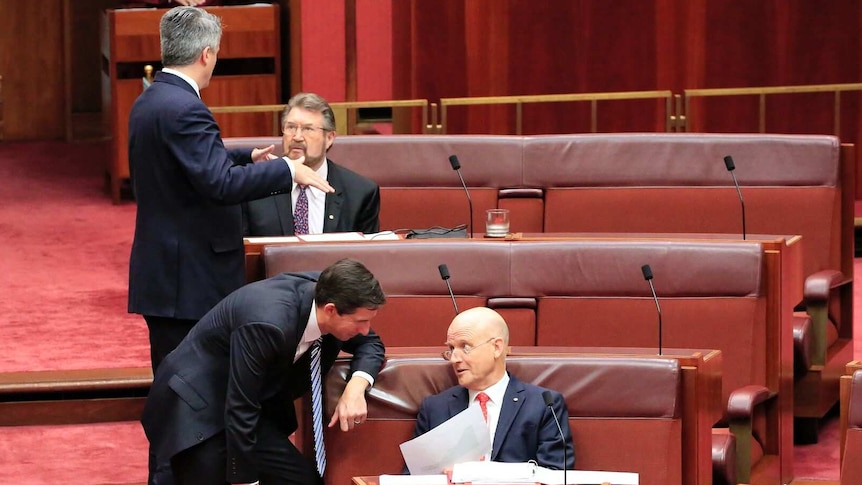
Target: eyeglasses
466	349
290	129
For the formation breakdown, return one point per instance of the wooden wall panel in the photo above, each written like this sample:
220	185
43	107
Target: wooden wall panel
31	63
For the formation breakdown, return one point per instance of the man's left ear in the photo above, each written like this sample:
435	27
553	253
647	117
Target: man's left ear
330	139
329	310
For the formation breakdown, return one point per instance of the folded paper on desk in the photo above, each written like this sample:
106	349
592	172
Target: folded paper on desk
413	480
496	472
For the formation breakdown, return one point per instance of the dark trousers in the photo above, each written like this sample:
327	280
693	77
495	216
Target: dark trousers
278	461
165	335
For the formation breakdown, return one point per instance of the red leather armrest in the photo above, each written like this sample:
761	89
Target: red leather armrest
741	403
818	285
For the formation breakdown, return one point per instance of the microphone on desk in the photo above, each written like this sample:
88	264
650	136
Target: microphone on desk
549	401
444	273
728	162
456	166
647	271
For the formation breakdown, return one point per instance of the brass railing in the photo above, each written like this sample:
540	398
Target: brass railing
344	111
677	107
592	98
762	92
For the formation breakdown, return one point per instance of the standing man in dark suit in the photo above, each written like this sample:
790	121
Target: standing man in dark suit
221	405
521	426
308	127
187	252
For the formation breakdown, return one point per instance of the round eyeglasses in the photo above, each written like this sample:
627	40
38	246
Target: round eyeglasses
466	349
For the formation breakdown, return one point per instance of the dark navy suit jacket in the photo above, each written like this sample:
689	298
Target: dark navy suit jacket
355	206
525	431
187	252
234	371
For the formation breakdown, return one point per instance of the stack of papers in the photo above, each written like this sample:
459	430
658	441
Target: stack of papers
479	472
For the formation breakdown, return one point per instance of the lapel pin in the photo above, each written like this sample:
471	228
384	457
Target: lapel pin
331	217
515	399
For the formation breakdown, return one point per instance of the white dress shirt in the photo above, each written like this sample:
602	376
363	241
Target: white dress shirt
312	333
496	393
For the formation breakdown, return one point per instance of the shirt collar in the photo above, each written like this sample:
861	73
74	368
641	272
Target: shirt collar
185	78
312	330
323	171
495	391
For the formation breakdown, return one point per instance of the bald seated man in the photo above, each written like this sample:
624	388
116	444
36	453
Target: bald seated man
521	426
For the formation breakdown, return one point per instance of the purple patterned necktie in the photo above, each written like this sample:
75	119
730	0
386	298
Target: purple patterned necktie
300	216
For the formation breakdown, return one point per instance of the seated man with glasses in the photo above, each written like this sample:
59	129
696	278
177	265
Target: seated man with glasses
521	426
308	127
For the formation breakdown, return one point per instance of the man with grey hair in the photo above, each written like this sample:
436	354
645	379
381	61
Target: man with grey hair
187	253
308	128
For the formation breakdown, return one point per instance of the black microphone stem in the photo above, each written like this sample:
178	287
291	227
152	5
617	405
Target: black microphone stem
741	203
655	298
444	274
470	202
549	401
454	303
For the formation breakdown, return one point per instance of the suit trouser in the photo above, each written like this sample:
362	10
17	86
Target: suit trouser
278	461
165	335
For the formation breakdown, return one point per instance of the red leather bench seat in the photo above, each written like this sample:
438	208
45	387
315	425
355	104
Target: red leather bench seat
618	408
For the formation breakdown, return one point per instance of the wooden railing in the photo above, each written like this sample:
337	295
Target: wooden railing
345	112
763	92
592	98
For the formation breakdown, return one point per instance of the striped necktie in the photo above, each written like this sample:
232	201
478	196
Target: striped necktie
317	408
300	215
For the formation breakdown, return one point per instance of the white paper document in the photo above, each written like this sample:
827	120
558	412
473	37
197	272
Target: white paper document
332	236
413	480
479	472
462	438
272	239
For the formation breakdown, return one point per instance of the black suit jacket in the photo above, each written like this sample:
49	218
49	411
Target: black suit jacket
354	206
525	431
236	365
187	252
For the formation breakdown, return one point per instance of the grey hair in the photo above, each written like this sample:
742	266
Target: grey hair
185	32
311	102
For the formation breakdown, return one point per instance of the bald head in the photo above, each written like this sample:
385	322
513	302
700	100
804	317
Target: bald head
479	338
485	322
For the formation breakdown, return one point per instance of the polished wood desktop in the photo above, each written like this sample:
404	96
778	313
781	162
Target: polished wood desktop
375	480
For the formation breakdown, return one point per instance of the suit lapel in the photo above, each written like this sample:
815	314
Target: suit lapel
332	206
458	401
284	211
509	409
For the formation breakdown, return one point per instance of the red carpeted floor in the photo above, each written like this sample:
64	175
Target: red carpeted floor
64	280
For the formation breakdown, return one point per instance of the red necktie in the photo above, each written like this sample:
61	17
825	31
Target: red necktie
483	403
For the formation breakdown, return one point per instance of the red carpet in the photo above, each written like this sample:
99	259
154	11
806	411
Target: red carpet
65	261
64	277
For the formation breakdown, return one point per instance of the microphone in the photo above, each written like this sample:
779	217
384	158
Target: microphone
549	401
456	166
728	162
444	273
647	271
